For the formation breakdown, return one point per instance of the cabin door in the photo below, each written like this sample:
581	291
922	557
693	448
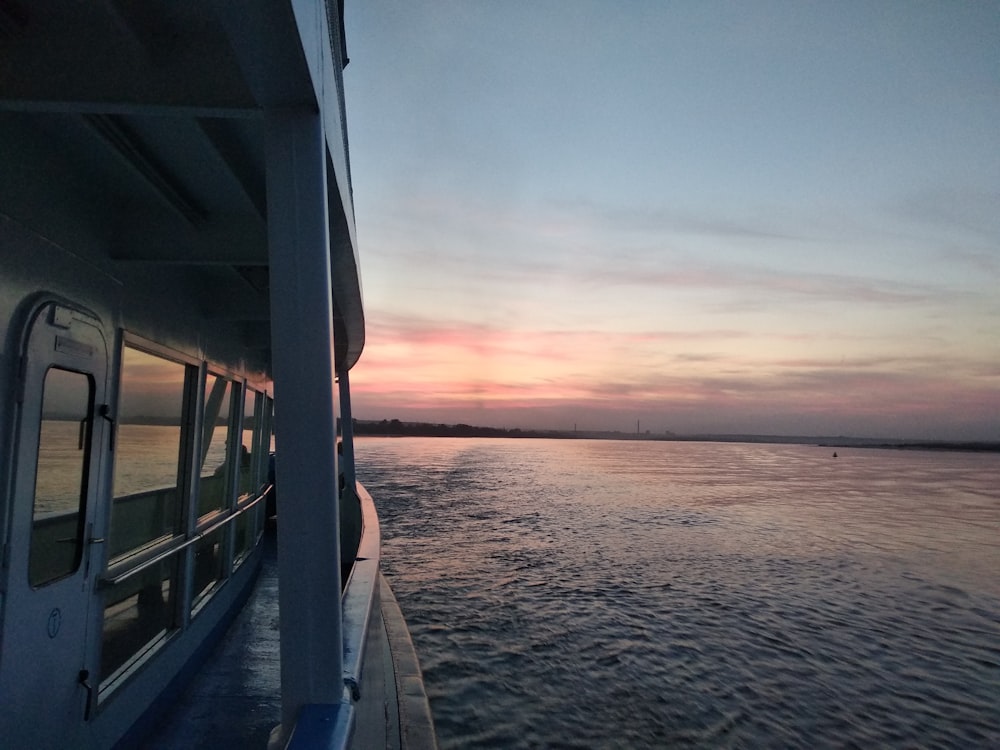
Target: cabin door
52	551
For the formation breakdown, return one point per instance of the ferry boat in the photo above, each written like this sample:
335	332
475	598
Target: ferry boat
179	295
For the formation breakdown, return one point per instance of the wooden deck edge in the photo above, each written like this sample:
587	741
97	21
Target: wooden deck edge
416	724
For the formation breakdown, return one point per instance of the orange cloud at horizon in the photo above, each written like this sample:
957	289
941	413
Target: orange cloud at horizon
670	380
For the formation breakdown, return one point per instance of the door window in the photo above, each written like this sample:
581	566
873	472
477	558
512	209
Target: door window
57	528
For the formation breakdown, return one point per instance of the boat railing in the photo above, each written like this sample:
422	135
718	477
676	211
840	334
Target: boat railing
145	596
140	518
136	564
131	517
360	594
332	726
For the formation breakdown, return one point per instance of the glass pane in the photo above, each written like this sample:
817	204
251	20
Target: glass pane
147	454
207	564
249	448
269	421
137	613
270	505
244	535
212	493
60	476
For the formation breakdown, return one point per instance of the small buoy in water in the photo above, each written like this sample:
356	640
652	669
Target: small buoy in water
835	454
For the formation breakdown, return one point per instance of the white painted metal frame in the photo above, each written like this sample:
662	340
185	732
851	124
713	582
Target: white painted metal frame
305	422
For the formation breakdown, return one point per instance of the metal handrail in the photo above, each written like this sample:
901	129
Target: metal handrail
108	581
360	596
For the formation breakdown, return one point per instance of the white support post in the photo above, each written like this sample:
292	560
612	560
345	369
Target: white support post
347	431
305	415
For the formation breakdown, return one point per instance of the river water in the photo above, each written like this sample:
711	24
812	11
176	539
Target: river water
618	594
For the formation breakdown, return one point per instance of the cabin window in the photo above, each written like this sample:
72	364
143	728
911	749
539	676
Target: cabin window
209	565
266	448
215	484
266	508
213	490
249	475
269	425
147	511
148	458
61	476
244	536
137	613
250	448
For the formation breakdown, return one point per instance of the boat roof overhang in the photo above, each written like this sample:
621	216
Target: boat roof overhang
134	135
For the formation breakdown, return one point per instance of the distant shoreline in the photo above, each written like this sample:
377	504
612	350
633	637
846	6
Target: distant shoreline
397	428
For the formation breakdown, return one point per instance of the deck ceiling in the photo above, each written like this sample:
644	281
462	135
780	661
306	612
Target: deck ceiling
133	133
213	55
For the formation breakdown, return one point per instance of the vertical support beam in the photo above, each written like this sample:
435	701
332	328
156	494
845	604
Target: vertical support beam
194	414
305	414
347	431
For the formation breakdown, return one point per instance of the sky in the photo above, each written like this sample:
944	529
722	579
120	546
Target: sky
705	217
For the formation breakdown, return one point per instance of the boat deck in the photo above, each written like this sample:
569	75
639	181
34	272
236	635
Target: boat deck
235	699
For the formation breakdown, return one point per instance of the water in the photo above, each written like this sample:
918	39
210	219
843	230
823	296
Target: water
581	594
150	462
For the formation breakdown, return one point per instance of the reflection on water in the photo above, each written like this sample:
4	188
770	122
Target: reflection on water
619	594
152	461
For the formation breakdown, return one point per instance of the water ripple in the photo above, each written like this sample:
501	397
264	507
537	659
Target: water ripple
577	594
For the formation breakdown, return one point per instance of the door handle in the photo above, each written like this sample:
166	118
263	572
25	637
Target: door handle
84	680
105	413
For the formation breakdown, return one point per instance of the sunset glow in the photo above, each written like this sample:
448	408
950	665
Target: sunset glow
782	221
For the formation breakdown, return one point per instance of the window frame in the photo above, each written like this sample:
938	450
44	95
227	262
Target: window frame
179	548
166	549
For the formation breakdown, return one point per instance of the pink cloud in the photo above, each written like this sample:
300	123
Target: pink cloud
474	373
